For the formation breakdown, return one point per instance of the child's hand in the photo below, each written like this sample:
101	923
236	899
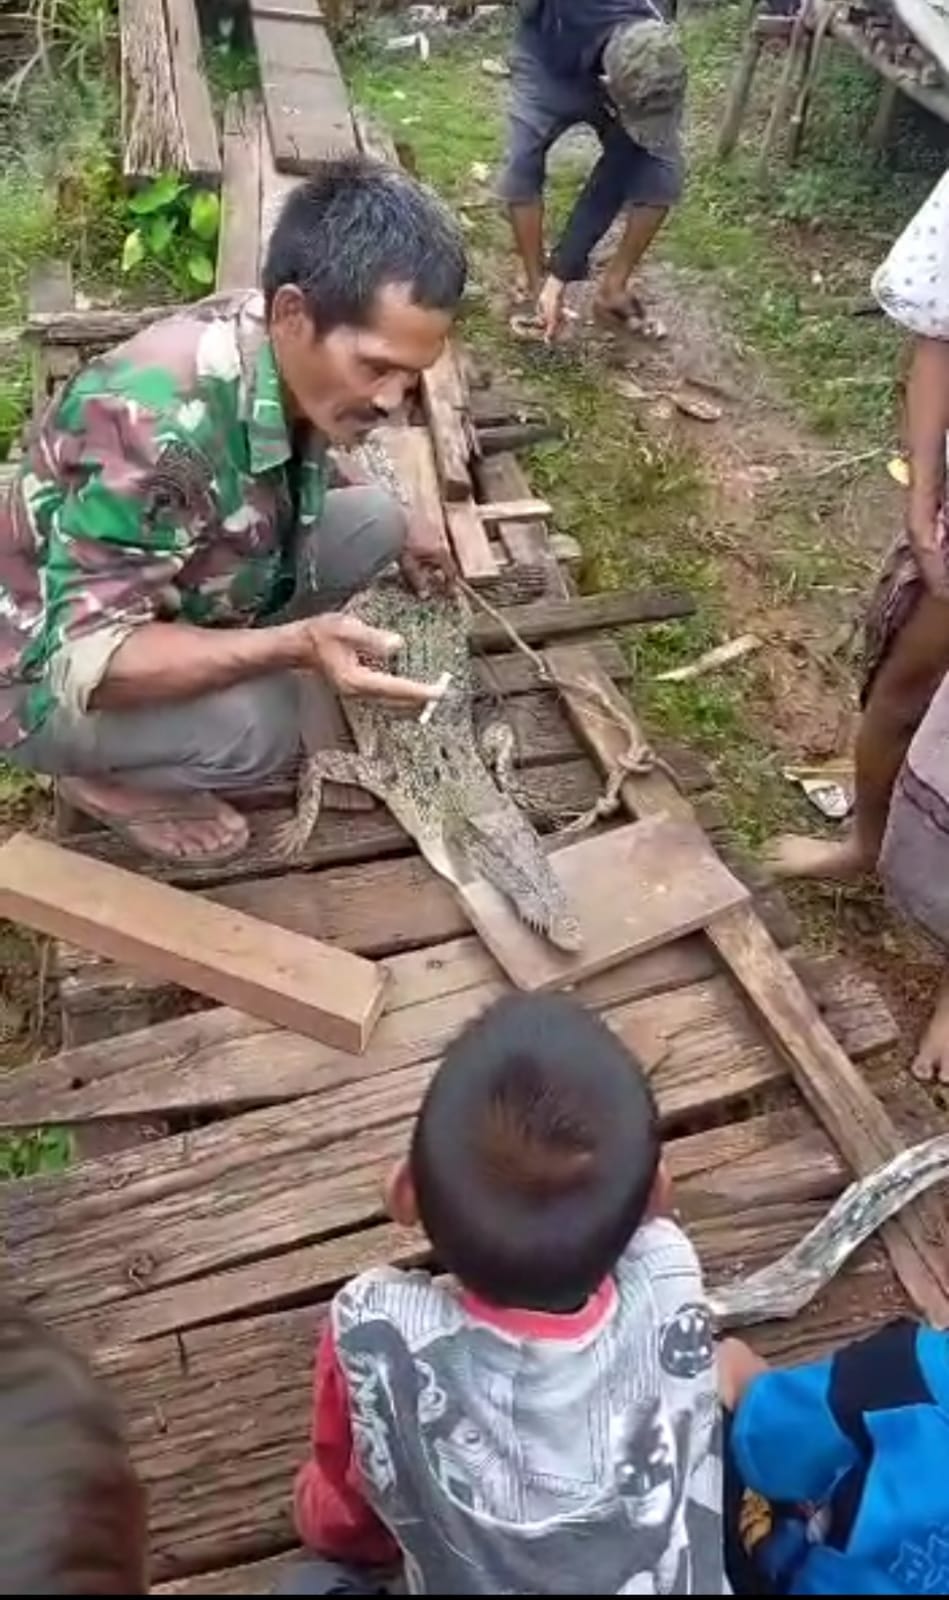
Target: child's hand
738	1365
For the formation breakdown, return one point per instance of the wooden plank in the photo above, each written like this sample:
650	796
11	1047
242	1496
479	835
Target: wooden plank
513	510
847	1107
238	256
295	10
255	1577
275	188
782	1156
551	619
470	542
527	543
443	403
219	1416
209	1059
99	325
278	975
305	100
153	139
202	146
410	451
630	889
271	1180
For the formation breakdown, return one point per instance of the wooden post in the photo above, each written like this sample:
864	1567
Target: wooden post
881	127
794	63
737	102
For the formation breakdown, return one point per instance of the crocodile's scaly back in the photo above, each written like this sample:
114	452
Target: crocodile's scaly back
431	774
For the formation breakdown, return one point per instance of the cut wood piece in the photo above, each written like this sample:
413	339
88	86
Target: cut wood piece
218	1417
504	436
443	402
153	139
550	619
470	542
374	139
630	890
290	1175
410	451
100	325
305	99
238	255
255	1577
295	10
512	510
195	112
211	1059
849	1110
847	1107
275	188
502	477
294	982
783	1157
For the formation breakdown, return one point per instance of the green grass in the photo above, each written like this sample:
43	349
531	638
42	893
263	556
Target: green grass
43	1150
781	255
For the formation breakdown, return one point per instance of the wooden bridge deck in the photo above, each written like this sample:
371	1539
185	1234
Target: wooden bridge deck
233	1171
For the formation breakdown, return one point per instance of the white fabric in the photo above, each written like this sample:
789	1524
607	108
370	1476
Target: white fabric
912	285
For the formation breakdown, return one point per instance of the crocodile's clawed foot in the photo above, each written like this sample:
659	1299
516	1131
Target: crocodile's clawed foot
289	841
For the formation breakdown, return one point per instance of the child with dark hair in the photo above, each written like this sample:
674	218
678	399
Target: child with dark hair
546	1422
72	1511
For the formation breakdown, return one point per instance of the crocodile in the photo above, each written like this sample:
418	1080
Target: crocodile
437	778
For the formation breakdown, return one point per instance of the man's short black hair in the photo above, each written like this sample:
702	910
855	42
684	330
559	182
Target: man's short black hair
355	227
535	1153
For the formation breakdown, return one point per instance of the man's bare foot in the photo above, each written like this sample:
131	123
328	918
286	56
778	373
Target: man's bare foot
793	855
169	827
932	1059
626	310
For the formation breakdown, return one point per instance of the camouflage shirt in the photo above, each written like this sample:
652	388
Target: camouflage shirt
163	481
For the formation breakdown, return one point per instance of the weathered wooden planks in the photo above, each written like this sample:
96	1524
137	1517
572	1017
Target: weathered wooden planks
849	1110
552	619
238	259
271	972
470	542
443	402
153	139
218	1416
630	890
502	477
410	451
305	99
193	96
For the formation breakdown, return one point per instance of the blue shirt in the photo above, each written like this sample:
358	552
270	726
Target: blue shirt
866	1434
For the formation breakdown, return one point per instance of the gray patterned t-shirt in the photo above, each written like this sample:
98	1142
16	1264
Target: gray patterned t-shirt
514	1452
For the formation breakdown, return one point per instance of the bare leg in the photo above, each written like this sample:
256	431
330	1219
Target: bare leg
931	1064
527	223
169	827
898	700
642	225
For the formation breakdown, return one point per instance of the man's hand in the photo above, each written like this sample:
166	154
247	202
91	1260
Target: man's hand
426	559
550	307
334	645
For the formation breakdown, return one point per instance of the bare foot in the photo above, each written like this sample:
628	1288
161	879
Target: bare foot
793	855
932	1060
626	310
169	827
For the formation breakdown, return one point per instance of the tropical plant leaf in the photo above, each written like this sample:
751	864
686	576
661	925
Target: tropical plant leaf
133	250
201	268
205	216
158	196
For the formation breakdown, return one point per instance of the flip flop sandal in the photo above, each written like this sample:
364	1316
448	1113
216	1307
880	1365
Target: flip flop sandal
126	830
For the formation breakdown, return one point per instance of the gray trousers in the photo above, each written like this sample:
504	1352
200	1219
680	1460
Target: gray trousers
235	738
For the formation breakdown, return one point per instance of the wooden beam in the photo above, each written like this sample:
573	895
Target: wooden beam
528	544
512	510
443	402
238	960
195	112
104	325
410	451
238	255
630	889
852	1115
305	99
470	542
551	619
153	139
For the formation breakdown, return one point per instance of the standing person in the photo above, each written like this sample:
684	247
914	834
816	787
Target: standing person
617	66
901	812
547	1421
173	553
72	1510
